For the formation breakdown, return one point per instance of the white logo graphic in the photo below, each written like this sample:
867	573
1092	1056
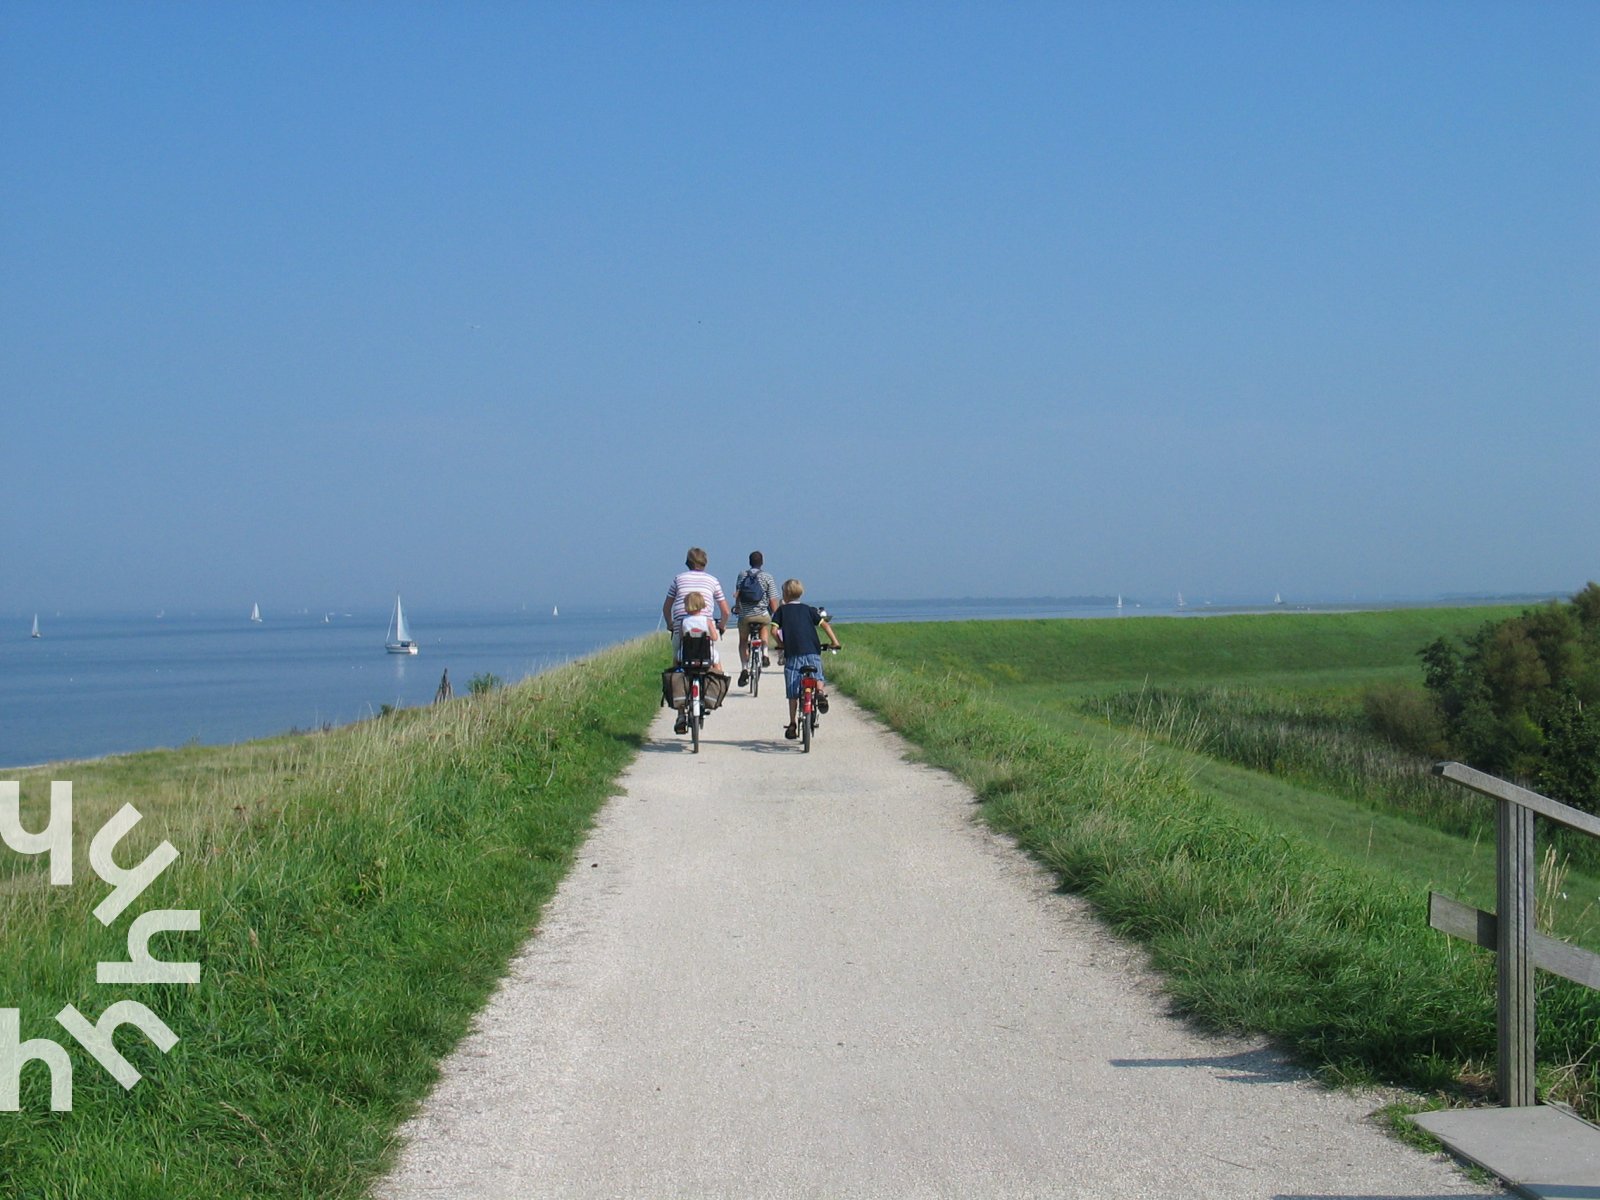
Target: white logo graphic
141	967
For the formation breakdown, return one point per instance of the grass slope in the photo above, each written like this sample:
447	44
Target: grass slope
360	893
1270	906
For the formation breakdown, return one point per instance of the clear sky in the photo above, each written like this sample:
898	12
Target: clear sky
301	303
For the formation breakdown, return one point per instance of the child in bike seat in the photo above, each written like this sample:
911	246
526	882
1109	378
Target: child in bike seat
697	622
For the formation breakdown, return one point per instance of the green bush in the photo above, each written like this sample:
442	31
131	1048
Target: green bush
1407	717
1520	697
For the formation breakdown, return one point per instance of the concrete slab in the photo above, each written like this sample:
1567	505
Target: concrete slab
1542	1152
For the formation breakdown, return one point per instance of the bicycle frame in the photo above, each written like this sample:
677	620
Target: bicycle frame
695	671
808	707
756	646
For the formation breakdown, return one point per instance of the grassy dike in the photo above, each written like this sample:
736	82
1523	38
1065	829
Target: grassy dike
1255	927
360	893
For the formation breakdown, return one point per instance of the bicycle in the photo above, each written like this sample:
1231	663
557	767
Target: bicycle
694	660
810	692
758	654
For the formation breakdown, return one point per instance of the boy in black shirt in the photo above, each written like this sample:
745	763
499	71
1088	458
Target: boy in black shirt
797	626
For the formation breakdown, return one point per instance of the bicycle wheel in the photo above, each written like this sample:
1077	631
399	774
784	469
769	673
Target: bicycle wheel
755	669
805	724
694	717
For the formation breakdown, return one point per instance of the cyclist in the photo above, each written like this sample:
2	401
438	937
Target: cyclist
697	622
695	579
797	626
755	595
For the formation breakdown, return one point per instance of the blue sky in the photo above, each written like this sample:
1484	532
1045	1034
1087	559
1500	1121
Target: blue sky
502	303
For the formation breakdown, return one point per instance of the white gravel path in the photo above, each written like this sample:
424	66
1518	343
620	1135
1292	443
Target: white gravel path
783	975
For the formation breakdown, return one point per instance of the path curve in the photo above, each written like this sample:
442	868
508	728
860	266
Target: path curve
774	974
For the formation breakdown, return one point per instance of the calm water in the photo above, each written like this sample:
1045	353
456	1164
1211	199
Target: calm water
94	685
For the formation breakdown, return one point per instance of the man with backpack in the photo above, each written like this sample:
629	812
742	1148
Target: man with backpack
755	595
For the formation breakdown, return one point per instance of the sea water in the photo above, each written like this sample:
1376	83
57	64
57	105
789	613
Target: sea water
106	684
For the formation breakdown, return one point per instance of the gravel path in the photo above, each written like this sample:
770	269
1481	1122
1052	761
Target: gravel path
774	974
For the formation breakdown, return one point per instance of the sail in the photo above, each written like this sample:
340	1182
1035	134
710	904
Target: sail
400	633
35	624
255	612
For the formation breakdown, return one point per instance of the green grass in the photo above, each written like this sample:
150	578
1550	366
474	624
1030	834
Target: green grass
1270	904
1322	748
360	892
1328	652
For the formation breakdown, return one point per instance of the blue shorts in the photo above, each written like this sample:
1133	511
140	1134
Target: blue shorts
791	672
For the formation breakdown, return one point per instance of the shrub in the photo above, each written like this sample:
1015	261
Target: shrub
1519	698
1407	717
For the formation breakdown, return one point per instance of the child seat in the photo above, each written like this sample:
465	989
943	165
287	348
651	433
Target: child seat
694	651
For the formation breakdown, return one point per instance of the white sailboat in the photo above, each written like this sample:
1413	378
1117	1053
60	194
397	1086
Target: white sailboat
555	610
255	613
1277	597
1180	599
1119	601
399	638
35	625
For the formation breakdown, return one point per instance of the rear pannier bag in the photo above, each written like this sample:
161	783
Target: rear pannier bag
715	691
674	688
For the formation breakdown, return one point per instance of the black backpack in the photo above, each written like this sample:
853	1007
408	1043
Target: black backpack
750	590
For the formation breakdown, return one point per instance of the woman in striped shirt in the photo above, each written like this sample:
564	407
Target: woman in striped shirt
695	579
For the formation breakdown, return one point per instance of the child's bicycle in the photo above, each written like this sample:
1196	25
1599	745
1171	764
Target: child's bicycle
810	692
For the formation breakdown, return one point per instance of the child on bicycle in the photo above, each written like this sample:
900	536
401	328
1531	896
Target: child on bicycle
797	626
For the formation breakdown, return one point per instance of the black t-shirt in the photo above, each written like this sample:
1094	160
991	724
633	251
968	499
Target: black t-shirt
798	623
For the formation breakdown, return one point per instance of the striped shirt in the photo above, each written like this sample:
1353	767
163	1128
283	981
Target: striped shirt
695	581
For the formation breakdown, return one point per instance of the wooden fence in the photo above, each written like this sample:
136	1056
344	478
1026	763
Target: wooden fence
1509	930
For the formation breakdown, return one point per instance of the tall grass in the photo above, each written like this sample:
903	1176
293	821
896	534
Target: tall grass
1318	740
1307	739
1254	929
360	892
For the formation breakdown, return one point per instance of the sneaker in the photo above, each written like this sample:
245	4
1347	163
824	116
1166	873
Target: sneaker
765	662
792	733
744	679
822	702
683	724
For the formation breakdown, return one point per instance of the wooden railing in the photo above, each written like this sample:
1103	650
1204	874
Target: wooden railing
1509	930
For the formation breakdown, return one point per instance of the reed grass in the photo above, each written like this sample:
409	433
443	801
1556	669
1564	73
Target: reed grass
1317	740
360	891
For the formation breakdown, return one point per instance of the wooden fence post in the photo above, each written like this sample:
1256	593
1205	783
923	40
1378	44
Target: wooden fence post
1515	879
1509	931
